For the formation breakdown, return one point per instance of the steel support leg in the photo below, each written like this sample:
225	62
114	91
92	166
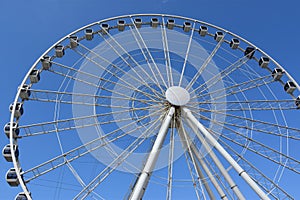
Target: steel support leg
187	144
206	169
218	163
188	114
143	179
209	174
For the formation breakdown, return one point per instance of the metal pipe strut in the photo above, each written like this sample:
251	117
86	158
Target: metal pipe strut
198	157
188	146
188	114
223	196
142	182
217	162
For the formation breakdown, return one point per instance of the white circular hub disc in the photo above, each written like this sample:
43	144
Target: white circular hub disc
177	96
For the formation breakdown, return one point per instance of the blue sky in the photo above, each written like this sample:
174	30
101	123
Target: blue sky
30	27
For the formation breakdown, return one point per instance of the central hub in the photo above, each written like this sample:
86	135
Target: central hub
177	96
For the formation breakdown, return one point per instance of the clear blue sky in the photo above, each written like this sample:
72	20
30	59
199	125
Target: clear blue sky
29	27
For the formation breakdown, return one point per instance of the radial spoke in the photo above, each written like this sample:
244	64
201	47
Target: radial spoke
256	102
88	83
59	72
204	65
142	45
97	86
218	77
82	99
262	149
80	151
187	54
249	106
115	163
260	126
45	99
112	73
250	72
77	123
78	178
166	53
134	61
264	181
96	79
235	89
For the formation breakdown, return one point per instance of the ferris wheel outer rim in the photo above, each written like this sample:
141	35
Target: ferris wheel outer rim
16	163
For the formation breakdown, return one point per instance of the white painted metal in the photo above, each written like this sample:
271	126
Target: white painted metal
171	161
177	96
120	51
218	163
205	64
16	163
142	182
73	154
225	154
187	144
167	53
90	187
187	54
141	43
209	174
204	166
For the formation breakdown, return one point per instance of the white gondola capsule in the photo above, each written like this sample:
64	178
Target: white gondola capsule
297	102
170	23
11	177
6	152
121	25
24	92
234	43
277	74
203	30
18	111
73	41
15	129
59	50
105	28
46	62
22	196
34	76
289	87
138	22
187	26
219	36
264	62
249	52
154	22
89	34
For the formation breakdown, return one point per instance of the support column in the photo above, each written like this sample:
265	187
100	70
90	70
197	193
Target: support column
209	174
143	179
218	163
187	144
206	169
225	154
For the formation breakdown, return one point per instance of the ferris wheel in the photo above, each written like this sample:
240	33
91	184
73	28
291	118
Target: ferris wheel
154	106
